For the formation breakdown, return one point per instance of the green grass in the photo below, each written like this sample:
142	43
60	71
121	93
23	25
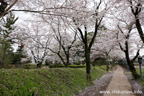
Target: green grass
138	71
104	67
49	82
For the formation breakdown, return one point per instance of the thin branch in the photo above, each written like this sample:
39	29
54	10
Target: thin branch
8	8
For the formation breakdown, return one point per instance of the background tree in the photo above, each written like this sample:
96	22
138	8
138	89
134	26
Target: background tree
36	39
65	36
6	39
82	16
105	44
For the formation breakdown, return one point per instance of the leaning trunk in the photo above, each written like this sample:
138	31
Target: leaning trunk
133	71
62	59
131	66
139	28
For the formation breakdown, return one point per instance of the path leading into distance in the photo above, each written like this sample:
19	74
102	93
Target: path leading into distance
119	85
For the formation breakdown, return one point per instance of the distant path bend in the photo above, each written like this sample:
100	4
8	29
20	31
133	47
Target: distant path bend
119	85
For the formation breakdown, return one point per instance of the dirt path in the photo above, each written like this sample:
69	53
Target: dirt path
119	85
99	85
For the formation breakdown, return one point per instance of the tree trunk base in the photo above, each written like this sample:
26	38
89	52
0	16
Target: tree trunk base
135	75
39	65
88	77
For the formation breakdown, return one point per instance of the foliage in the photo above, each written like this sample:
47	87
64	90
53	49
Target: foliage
52	82
48	62
77	66
6	50
18	55
70	66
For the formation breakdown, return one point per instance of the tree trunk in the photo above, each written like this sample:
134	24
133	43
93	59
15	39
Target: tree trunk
67	58
131	66
139	28
107	69
62	59
39	64
88	66
133	71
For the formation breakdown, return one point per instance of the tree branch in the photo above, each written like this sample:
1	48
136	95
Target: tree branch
8	8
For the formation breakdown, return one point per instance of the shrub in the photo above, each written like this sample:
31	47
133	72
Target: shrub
71	66
56	66
77	66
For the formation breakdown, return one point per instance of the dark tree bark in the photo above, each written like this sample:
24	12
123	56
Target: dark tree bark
87	46
130	62
67	59
39	64
107	69
88	65
139	28
136	10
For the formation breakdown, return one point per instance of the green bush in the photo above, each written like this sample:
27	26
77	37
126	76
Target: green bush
56	66
77	66
70	66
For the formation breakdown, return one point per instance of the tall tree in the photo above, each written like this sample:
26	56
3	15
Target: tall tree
83	15
6	39
36	39
65	36
137	11
125	46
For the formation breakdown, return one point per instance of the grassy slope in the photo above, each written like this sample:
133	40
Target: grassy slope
138	71
49	82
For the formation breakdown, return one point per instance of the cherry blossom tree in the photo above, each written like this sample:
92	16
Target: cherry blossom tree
137	11
87	16
105	44
126	43
65	35
82	15
36	39
132	10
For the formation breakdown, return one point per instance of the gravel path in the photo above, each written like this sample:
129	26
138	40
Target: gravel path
119	85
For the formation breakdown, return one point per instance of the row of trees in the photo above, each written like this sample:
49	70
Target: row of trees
96	27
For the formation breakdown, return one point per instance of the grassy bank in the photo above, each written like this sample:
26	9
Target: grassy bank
138	71
48	82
